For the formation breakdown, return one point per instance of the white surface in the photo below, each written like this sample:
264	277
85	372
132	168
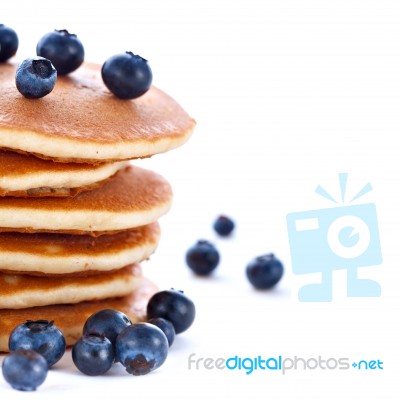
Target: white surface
286	94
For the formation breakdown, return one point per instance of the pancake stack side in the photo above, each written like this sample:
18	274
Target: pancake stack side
77	216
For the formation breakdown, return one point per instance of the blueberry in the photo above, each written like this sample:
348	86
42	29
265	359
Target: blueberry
127	75
166	326
41	336
265	271
174	306
141	348
35	77
108	323
93	355
8	42
24	369
223	225
63	49
202	258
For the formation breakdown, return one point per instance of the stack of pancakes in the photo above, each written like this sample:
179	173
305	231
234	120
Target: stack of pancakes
76	217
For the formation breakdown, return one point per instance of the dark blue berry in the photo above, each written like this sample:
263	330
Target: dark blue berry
174	306
141	348
265	271
41	336
93	355
35	77
8	42
202	258
63	49
24	369
127	75
108	323
166	326
224	225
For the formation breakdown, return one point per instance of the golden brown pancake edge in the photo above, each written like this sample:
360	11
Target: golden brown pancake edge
82	121
71	318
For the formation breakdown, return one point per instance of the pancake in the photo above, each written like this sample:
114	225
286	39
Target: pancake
71	318
133	197
82	121
26	175
22	291
48	253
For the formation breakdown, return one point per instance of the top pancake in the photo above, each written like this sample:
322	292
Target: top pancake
81	121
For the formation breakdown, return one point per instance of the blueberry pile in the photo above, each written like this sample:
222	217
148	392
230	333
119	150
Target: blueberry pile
263	272
126	75
108	336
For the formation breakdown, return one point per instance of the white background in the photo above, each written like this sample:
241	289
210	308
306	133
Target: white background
286	95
